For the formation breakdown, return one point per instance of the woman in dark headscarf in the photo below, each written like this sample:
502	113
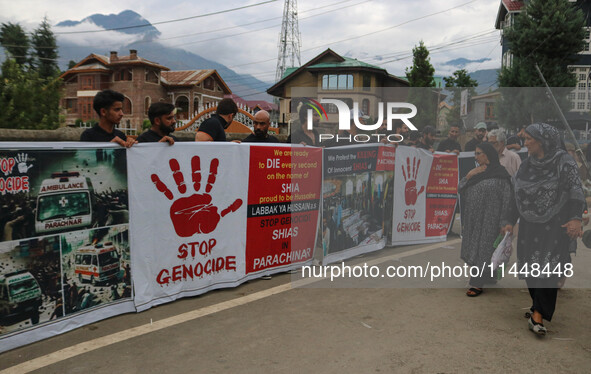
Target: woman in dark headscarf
486	199
550	204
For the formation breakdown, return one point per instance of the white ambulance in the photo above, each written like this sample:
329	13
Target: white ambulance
65	202
97	263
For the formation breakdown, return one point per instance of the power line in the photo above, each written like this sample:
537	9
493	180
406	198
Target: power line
170	21
364	35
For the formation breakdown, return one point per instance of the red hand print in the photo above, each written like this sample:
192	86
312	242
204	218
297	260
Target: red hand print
194	214
410	176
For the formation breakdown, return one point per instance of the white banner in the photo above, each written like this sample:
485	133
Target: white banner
425	192
188	217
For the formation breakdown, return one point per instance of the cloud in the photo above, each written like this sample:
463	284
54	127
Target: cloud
102	40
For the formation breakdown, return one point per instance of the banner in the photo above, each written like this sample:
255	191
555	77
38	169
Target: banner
355	180
283	206
425	194
64	250
188	219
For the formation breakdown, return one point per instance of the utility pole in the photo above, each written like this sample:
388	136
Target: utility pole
289	40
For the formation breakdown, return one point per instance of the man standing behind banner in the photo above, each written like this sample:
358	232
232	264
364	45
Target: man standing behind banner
451	145
213	129
427	139
162	118
108	104
479	133
261	124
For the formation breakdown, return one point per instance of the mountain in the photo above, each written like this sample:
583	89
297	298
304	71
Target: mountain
119	21
243	85
487	80
462	62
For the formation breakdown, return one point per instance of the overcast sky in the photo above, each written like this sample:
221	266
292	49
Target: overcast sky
395	26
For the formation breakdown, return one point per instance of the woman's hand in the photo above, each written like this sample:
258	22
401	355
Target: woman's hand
476	171
507	229
574	229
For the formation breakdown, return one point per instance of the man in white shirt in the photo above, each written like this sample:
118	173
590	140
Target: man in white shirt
509	159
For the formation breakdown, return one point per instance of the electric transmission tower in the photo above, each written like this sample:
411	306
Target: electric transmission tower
289	39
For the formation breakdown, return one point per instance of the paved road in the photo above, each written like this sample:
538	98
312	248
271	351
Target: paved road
269	327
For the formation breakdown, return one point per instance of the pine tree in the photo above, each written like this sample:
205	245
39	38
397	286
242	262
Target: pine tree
456	83
45	51
420	74
549	33
15	42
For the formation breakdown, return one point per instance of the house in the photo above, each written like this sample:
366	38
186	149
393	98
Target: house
333	76
142	82
483	109
506	14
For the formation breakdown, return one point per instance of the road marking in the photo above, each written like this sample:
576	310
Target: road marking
92	345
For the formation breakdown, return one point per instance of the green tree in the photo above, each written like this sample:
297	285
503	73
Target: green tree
420	77
456	83
45	51
15	42
29	94
549	33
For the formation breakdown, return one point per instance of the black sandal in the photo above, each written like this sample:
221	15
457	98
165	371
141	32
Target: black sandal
473	292
529	312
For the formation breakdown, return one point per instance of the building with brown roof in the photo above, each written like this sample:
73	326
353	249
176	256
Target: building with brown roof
142	82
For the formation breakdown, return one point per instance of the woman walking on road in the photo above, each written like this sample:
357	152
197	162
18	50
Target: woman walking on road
486	198
550	203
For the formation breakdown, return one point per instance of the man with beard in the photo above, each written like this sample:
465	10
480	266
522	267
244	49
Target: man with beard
479	133
162	118
428	138
451	145
261	124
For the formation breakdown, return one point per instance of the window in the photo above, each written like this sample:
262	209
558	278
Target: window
208	83
571	96
87	82
572	105
127	108
331	108
587	34
337	82
580	105
71	105
366	82
147	103
582	85
586	48
582	77
196	105
151	76
365	106
581	96
123	75
489	112
182	103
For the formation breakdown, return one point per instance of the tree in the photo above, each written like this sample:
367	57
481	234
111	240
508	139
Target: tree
549	33
15	42
29	94
456	83
420	74
45	47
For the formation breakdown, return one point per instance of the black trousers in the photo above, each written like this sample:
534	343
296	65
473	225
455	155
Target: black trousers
543	294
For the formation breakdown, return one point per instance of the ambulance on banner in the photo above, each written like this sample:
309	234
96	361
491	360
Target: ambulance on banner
97	263
65	202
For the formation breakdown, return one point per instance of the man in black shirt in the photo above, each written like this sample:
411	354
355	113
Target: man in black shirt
162	118
109	106
428	138
451	145
261	124
517	141
479	133
213	129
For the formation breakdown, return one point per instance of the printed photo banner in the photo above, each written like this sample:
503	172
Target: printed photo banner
357	192
64	249
283	207
425	194
188	219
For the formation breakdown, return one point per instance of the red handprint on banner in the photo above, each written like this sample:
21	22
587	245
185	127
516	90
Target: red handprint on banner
410	177
194	214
